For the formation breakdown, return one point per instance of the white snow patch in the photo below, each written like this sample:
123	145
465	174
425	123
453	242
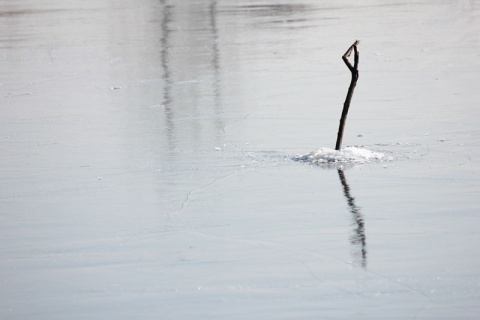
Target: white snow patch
345	155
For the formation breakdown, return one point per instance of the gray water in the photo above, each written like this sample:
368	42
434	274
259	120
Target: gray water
146	160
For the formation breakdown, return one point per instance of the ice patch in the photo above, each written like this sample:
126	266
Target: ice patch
345	155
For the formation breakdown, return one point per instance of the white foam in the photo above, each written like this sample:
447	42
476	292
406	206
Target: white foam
345	155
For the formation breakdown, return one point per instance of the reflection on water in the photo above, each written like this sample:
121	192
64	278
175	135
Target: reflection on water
191	78
289	16
194	48
216	68
215	50
167	87
358	238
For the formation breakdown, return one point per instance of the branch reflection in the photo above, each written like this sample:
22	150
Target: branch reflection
358	238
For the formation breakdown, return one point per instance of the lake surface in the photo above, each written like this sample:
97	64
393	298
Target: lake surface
146	160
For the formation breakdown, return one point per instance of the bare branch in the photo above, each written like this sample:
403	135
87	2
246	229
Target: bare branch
354	70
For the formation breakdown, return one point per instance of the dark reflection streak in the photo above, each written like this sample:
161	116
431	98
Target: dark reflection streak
215	58
358	238
216	63
167	87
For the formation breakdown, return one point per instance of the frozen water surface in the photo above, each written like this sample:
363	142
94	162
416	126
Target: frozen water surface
146	160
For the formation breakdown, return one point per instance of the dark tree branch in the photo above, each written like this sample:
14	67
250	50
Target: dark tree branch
354	70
